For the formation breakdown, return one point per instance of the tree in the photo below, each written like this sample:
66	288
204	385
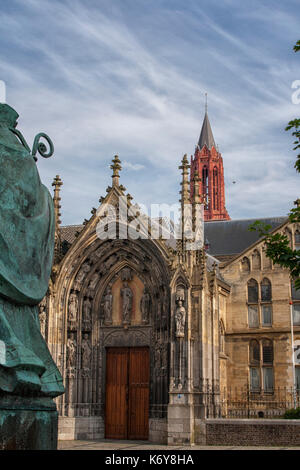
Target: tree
278	245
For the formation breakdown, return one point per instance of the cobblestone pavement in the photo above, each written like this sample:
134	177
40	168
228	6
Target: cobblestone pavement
110	445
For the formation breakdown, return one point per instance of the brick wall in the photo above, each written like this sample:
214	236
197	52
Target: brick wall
251	432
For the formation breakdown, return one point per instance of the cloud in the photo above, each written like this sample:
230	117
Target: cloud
106	78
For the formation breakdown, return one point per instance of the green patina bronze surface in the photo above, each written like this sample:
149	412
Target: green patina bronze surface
26	252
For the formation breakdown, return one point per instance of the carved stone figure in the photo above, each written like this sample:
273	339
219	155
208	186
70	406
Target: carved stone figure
43	316
86	310
73	307
126	294
145	305
126	274
108	302
93	281
179	320
86	349
71	351
85	268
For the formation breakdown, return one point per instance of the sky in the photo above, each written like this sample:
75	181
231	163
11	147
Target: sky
129	77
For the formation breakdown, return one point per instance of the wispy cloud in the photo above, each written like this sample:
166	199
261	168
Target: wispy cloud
123	77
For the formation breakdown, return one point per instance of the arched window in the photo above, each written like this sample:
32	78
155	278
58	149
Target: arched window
215	188
267	364
261	365
205	184
266	290
288	233
252	291
254	352
245	265
256	264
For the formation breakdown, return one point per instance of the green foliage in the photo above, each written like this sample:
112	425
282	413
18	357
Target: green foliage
297	46
293	413
295	124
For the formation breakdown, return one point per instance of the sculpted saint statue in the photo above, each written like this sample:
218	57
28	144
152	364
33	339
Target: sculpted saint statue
126	294
73	306
108	300
86	352
71	351
180	320
145	306
86	313
27	227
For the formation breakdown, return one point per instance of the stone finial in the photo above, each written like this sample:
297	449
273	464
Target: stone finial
57	183
116	167
196	181
185	196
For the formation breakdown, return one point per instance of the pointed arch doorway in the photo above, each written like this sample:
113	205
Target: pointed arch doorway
127	393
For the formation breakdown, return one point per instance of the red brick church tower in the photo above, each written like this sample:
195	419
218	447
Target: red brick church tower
209	164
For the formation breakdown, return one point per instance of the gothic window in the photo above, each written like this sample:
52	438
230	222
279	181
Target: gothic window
266	290
205	184
296	313
254	365
215	183
267	369
254	352
259	306
256	264
297	377
261	365
253	316
252	291
245	265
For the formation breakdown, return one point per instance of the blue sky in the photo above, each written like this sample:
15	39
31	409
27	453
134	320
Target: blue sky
128	77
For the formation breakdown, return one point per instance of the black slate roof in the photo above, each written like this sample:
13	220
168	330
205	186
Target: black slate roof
206	135
229	237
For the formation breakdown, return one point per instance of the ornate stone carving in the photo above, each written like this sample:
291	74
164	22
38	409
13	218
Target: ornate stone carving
85	268
86	349
126	294
71	351
73	307
179	320
107	307
126	274
93	281
145	305
86	313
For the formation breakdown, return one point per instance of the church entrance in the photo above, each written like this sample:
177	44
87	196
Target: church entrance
127	393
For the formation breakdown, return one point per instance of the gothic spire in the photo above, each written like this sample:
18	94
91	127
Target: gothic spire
206	135
57	183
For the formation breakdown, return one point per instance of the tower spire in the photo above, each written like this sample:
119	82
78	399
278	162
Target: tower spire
206	135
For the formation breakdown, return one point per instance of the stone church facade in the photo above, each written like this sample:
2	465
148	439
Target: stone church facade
150	334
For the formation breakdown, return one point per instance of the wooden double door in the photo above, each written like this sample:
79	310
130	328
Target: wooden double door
127	393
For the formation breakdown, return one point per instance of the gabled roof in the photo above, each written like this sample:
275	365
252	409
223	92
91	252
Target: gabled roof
231	237
206	135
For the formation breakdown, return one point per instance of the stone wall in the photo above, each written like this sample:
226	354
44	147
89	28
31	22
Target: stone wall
91	427
248	432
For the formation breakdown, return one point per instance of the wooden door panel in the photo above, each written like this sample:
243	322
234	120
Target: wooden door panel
116	393
138	424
